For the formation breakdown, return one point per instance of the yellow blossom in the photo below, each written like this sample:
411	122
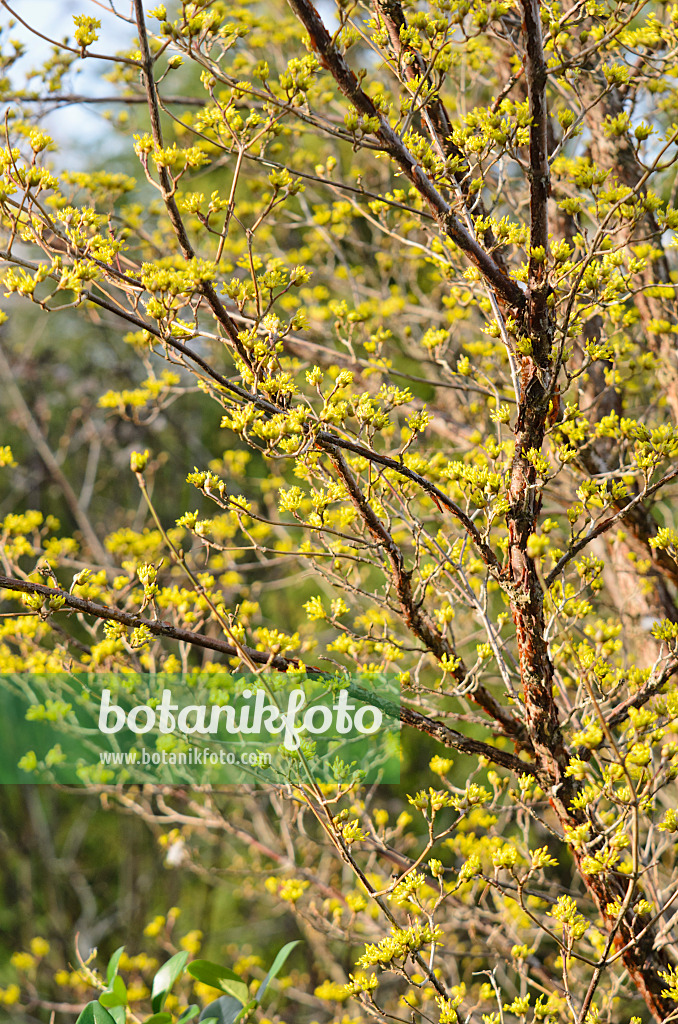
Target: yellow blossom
22	961
155	926
192	941
39	947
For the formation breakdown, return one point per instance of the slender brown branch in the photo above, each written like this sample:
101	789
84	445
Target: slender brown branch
322	438
456	741
449	737
413	68
69	99
653	686
605	524
415	618
177	223
330	57
154	626
61	45
540	187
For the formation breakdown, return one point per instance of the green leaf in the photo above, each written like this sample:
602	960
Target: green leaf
276	967
189	1014
118	1014
224	1010
115	994
95	1013
112	968
159	1018
219	977
165	978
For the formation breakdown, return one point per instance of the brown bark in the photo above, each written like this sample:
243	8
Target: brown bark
641	960
520	578
527	599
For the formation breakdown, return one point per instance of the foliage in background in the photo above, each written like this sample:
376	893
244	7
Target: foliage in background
399	281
